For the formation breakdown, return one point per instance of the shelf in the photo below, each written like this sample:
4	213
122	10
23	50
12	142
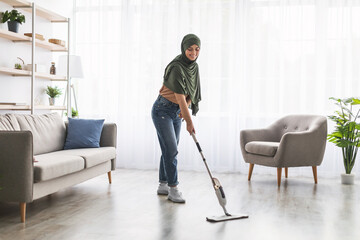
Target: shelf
14	107
18	37
13	36
47	107
27	107
41	12
50	46
24	73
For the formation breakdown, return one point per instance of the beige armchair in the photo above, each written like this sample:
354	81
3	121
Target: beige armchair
292	141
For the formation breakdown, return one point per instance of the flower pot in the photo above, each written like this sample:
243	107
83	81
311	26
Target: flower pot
13	26
52	101
348	179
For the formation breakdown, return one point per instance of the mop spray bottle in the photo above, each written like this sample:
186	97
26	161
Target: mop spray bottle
220	194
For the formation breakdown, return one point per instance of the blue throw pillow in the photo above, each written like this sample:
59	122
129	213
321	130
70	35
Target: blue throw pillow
83	133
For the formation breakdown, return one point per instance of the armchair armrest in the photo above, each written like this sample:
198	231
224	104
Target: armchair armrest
265	134
249	135
302	148
16	166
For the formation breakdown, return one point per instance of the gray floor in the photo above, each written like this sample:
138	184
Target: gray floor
130	209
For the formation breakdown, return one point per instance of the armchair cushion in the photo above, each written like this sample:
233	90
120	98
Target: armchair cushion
262	148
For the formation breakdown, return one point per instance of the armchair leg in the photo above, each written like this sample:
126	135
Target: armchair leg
22	211
315	173
251	167
279	176
286	172
109	177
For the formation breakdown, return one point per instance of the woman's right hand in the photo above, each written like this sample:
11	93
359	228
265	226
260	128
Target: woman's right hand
184	112
190	127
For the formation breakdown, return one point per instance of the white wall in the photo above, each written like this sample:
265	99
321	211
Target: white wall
17	89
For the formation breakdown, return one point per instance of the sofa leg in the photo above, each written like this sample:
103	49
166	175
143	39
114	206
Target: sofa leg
315	173
109	177
286	172
279	176
251	167
22	211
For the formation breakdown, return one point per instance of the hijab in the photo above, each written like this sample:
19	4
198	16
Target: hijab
182	75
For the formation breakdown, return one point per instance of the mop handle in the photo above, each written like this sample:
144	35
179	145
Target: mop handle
198	146
202	155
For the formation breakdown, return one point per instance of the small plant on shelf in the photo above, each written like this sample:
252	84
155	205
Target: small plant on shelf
53	92
18	66
74	113
14	18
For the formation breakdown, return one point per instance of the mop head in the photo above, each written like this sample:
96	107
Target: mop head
225	218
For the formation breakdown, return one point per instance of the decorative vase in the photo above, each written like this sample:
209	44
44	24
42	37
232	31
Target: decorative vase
52	101
13	26
347	179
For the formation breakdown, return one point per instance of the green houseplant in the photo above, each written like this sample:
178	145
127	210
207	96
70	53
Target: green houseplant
347	133
19	66
74	113
53	92
14	18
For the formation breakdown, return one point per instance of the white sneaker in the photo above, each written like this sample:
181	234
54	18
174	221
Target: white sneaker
175	195
163	189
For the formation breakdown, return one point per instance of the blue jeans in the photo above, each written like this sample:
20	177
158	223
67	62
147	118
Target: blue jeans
165	115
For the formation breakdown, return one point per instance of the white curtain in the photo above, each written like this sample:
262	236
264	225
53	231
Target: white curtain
259	60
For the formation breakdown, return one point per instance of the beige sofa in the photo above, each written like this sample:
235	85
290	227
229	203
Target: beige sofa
33	163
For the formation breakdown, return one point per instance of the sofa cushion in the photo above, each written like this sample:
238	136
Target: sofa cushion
52	165
92	156
8	122
83	133
48	131
262	148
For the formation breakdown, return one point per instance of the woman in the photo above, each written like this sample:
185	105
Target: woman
180	90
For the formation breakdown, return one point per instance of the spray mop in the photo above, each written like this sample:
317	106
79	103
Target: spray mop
219	191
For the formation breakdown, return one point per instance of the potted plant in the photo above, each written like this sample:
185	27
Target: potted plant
14	18
53	92
19	66
346	134
74	113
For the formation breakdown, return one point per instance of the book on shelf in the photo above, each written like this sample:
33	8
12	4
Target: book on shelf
13	103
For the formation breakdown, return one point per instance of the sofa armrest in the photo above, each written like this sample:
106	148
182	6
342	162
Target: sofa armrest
301	148
108	135
109	138
16	166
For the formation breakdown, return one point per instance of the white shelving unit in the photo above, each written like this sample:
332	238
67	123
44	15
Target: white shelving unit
17	37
